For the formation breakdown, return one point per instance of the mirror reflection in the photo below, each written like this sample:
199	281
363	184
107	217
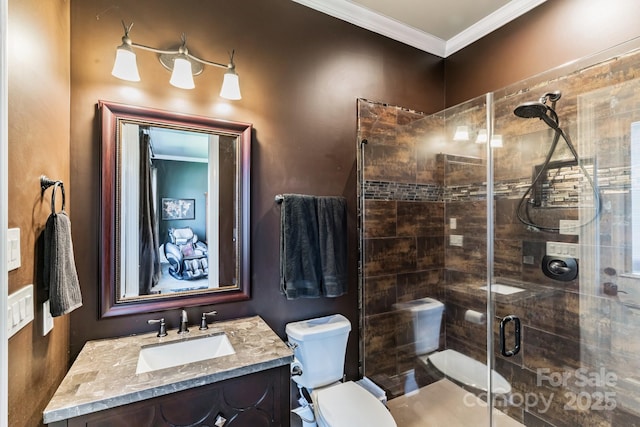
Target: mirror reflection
175	210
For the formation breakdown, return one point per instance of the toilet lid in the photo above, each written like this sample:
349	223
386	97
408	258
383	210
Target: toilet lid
349	405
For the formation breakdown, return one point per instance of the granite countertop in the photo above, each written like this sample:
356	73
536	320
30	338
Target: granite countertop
104	374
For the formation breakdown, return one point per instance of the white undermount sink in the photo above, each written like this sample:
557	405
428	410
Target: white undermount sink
501	289
188	350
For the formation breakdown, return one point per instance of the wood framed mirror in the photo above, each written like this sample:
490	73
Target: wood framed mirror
175	202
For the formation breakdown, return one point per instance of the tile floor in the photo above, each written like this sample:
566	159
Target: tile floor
444	404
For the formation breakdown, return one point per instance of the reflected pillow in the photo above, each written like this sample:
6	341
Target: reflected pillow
187	250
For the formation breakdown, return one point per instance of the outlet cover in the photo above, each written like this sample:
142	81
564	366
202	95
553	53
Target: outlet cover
47	320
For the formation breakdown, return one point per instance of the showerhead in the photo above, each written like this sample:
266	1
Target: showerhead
531	110
538	110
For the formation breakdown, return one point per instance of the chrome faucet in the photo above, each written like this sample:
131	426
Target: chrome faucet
162	332
203	321
184	323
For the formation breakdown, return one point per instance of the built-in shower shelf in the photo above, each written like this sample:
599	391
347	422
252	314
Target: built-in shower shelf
501	289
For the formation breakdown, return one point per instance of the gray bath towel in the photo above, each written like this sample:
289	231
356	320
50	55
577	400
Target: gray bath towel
300	270
332	236
60	274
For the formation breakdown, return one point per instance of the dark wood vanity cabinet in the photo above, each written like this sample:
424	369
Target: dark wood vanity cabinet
260	399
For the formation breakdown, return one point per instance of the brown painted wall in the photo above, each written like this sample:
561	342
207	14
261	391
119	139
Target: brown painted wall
301	73
38	144
553	34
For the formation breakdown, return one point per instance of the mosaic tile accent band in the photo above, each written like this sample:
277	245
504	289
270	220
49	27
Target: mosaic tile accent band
380	190
560	189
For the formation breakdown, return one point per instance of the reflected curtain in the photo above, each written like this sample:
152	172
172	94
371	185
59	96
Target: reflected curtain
149	256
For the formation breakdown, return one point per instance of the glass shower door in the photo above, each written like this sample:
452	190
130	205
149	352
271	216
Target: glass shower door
565	222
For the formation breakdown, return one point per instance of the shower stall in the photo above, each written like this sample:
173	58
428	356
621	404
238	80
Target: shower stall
519	211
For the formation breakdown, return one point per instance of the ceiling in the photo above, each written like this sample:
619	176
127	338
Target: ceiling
173	144
440	27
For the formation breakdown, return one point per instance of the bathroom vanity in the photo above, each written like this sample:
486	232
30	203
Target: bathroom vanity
249	386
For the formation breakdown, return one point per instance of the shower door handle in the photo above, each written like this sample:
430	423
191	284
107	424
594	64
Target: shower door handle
503	344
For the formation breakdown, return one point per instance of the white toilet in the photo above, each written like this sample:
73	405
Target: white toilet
319	347
426	318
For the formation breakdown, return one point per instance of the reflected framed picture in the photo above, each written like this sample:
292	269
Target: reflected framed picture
178	209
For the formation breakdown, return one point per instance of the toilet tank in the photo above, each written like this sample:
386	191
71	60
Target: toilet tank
320	347
424	316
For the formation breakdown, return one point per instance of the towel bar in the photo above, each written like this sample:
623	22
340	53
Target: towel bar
46	182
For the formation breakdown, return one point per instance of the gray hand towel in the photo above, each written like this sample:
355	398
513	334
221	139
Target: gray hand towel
60	274
300	271
332	234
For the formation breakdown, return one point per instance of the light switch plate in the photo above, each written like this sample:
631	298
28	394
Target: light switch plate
456	240
20	311
13	248
561	249
570	227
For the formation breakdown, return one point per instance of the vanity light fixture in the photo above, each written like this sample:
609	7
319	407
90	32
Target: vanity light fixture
180	62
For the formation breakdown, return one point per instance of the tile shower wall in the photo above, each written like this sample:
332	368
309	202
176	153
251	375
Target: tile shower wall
406	227
403	232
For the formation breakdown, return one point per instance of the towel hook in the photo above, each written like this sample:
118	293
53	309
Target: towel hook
45	183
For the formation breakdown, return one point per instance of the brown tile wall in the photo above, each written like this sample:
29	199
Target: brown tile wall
403	213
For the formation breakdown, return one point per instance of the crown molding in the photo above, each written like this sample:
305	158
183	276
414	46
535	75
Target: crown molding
369	20
372	21
490	23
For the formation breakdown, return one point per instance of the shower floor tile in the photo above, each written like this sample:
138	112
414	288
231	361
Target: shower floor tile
444	404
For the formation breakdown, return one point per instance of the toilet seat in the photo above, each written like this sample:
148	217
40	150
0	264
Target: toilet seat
349	405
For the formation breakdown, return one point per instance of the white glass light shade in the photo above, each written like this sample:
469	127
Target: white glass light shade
125	66
230	86
496	141
482	137
182	76
462	133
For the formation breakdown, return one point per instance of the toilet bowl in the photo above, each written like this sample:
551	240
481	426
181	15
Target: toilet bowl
467	371
426	317
319	347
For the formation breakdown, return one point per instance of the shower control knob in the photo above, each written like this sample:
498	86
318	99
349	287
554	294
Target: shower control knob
558	267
